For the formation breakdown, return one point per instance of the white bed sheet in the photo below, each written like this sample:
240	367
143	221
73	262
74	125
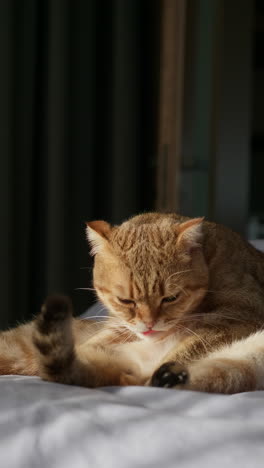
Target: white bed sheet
51	425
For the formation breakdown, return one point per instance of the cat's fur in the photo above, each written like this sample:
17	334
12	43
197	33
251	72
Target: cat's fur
199	285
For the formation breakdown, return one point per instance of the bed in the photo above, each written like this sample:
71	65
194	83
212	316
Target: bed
51	425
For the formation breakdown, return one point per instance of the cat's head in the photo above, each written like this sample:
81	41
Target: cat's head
150	271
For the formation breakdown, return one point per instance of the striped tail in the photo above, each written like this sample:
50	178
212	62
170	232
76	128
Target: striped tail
61	361
54	342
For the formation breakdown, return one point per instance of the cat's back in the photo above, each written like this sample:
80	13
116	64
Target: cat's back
236	273
224	246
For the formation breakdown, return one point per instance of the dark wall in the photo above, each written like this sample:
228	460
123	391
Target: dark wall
78	91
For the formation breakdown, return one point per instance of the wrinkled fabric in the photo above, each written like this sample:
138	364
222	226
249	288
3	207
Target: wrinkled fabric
46	425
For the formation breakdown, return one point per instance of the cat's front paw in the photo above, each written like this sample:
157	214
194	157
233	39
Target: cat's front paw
169	375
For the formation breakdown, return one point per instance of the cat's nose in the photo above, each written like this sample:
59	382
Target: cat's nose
150	323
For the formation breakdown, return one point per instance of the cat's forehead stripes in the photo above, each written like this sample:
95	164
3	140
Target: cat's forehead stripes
136	290
128	237
157	286
144	287
147	251
142	255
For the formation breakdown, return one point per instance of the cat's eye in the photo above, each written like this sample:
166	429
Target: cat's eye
126	301
170	299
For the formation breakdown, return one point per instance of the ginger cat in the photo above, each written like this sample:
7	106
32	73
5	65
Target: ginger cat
186	302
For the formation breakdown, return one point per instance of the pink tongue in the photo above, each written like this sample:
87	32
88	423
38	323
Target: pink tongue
148	332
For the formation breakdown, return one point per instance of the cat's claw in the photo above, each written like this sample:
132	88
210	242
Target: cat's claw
169	375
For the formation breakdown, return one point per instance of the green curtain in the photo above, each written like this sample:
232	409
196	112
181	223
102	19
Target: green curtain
78	93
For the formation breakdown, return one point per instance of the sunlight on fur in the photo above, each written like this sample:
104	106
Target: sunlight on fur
185	300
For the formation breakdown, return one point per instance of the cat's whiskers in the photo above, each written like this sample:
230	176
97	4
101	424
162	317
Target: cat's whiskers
173	286
171	289
127	337
115	324
181	321
229	317
193	319
177	273
203	341
136	332
96	317
207	316
125	333
114	338
112	323
120	322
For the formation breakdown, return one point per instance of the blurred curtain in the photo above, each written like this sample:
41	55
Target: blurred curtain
78	93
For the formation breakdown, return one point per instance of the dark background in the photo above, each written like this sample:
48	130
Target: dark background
77	113
79	94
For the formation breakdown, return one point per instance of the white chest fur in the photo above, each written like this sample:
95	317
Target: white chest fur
149	353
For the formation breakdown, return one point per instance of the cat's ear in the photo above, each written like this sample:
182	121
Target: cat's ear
190	234
97	233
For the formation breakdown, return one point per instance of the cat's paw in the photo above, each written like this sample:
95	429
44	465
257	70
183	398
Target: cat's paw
128	379
169	375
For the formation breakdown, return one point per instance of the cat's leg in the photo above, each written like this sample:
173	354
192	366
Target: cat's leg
236	368
198	345
193	348
17	353
214	376
60	360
